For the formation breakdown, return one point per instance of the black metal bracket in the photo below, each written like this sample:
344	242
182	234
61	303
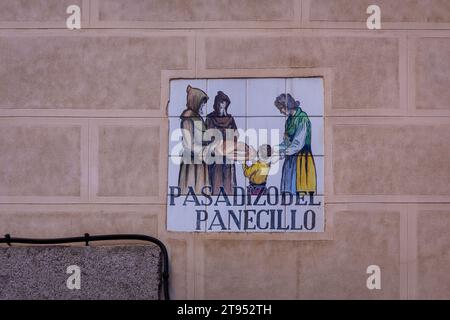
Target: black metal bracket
88	238
8	239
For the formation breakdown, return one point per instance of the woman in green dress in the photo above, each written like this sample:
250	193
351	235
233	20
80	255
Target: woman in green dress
299	170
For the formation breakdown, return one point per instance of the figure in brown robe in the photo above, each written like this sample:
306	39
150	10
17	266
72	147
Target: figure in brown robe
193	170
222	174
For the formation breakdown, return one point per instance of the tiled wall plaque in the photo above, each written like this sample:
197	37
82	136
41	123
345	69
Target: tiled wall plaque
246	155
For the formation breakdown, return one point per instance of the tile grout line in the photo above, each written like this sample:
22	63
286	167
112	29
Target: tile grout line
89	162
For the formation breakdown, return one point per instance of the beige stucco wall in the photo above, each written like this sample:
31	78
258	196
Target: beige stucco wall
84	130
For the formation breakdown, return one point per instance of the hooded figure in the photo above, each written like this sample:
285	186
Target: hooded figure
193	170
222	174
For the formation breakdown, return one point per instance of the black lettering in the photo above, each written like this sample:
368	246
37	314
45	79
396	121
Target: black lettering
258	220
219	218
311	200
206	191
256	203
293	220
280	220
237	221
269	191
200	219
300	199
174	192
191	193
223	194
238	196
283	199
313	219
248	219
272	219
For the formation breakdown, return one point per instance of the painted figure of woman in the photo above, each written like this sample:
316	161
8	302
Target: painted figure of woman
222	174
193	169
299	170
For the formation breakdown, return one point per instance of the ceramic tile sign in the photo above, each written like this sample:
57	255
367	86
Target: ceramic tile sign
246	155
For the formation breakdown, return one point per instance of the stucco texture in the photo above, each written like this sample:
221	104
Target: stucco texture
432	253
392	11
35	10
39	160
194	10
366	77
106	273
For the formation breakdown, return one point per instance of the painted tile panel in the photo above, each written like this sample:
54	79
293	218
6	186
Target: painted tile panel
239	143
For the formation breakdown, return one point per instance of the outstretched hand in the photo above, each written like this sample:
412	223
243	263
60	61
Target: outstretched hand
237	151
276	156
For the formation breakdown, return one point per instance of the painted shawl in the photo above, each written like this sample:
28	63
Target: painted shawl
299	170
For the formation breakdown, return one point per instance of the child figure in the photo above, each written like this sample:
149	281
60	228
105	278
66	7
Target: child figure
257	173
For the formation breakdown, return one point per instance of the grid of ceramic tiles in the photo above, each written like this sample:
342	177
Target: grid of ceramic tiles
259	123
